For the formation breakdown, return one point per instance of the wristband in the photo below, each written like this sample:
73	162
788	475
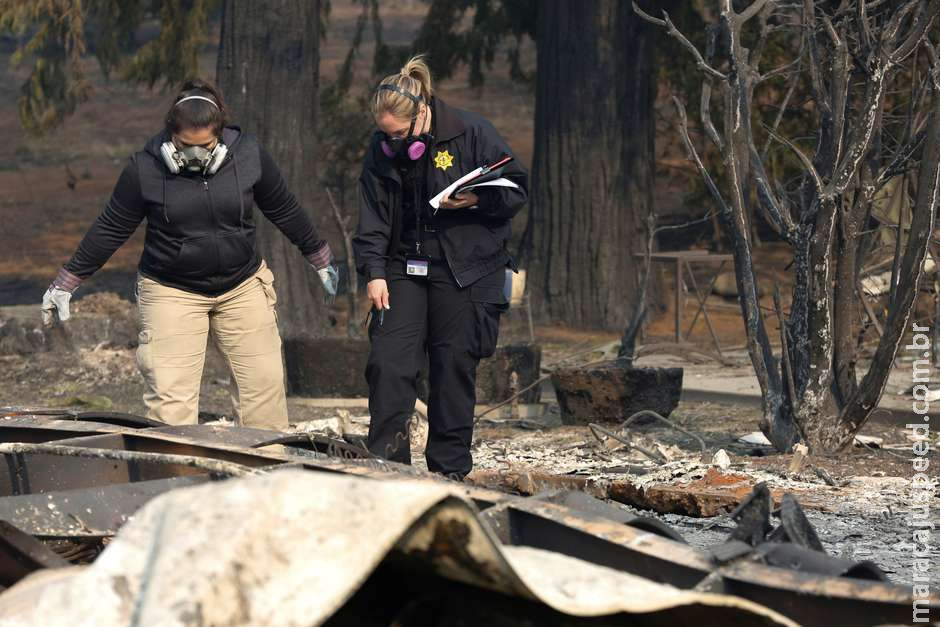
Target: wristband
320	258
66	281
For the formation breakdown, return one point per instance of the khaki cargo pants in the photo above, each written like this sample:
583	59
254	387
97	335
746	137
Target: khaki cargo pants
175	325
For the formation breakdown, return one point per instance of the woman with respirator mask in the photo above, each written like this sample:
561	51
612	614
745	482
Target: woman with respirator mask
435	278
196	183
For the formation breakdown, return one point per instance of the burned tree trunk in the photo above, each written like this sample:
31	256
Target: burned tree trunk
268	69
592	172
811	391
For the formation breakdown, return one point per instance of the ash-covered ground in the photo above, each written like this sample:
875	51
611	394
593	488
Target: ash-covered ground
863	516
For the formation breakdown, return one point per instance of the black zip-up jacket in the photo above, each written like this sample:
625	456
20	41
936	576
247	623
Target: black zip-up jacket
473	241
200	231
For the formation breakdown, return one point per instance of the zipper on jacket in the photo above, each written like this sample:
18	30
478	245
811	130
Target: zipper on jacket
205	186
215	224
428	176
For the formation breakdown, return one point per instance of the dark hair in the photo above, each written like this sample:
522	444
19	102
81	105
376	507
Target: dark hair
197	113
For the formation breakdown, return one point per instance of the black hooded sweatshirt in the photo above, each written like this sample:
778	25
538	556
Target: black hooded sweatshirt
200	231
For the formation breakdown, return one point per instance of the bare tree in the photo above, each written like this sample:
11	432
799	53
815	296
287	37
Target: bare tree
343	221
849	55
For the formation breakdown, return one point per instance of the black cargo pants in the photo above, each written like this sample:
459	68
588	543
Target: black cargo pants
454	328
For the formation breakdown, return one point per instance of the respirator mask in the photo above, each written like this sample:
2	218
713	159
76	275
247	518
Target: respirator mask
409	148
194	159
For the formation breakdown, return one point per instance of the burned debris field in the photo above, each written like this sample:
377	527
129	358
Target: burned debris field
457	313
686	489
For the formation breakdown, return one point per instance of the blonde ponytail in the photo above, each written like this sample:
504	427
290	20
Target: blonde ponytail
415	78
417	70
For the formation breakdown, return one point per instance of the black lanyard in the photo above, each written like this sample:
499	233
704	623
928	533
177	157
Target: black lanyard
417	176
416	196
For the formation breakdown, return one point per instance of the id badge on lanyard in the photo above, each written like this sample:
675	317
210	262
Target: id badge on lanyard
417	266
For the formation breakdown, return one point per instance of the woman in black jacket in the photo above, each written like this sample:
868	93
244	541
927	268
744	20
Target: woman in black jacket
436	279
196	183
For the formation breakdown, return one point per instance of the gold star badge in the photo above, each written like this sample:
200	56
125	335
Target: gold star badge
443	159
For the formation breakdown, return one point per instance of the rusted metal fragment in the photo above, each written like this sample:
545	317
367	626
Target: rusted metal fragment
797	527
811	599
214	466
752	516
118	419
36	472
21	554
806	598
218	434
87	513
543	525
37	429
593	507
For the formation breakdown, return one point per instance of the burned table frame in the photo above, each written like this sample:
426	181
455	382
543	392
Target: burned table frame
931	278
684	259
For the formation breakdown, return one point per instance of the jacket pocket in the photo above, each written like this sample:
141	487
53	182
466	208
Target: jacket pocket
234	252
194	258
489	303
467	245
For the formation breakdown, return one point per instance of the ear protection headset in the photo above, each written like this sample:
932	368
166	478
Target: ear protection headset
194	158
413	147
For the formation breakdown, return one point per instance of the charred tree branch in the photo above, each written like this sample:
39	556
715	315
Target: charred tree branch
682	39
705	105
693	156
921	25
807	163
753	10
791	88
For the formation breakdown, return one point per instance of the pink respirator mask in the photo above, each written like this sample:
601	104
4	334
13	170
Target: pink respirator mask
410	147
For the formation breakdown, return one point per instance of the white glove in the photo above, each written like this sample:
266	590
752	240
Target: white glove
329	276
55	299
